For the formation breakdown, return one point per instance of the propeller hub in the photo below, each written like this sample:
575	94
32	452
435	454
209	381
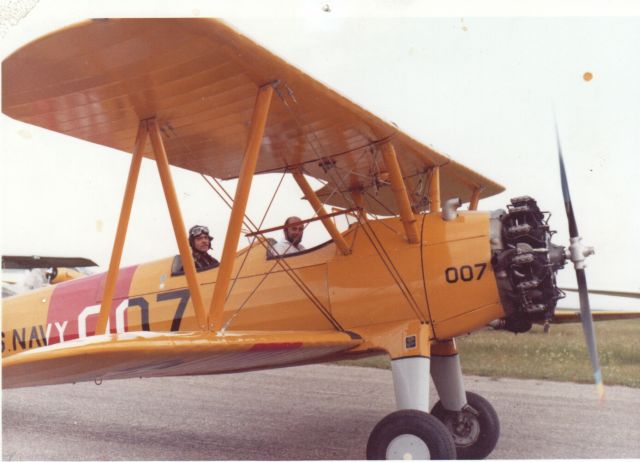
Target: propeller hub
578	253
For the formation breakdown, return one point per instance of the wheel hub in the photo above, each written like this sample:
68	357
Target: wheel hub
464	428
407	447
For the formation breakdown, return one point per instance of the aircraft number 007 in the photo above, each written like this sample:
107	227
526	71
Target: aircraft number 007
465	273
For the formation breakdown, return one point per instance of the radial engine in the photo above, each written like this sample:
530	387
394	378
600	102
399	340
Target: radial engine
525	263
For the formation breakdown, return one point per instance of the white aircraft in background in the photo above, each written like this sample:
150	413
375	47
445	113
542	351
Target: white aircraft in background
22	273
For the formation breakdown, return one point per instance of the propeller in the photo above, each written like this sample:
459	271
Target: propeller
577	253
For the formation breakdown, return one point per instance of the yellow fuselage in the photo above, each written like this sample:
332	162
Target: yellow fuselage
386	288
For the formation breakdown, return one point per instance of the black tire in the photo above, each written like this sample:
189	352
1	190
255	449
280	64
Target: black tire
410	426
477	434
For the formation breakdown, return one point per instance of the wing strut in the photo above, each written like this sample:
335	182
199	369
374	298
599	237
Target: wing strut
177	222
475	198
400	192
313	199
434	190
247	170
150	128
121	232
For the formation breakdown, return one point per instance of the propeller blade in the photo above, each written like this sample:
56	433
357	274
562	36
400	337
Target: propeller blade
573	227
583	292
589	331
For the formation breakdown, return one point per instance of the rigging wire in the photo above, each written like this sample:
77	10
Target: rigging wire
376	199
295	277
252	241
386	225
267	245
298	120
391	268
237	311
350	172
418	190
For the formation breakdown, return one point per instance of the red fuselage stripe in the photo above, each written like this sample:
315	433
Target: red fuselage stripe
69	299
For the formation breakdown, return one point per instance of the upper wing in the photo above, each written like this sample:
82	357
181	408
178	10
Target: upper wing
199	78
147	354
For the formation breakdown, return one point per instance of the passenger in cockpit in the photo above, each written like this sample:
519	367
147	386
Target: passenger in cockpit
293	231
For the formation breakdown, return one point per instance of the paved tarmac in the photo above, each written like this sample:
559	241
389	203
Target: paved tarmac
311	412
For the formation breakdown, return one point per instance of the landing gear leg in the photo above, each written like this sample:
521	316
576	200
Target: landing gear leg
411	432
470	418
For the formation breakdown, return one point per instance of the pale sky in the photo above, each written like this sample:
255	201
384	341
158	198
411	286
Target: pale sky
479	89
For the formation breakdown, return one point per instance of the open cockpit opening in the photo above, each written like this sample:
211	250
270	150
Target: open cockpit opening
177	268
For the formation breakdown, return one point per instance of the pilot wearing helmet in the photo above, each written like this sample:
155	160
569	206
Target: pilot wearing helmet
200	242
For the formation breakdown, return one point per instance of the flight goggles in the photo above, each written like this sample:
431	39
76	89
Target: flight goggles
198	230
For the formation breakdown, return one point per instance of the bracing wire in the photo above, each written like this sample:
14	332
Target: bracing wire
284	265
298	120
280	262
251	242
393	271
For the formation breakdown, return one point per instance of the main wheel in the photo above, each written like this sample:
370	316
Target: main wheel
475	429
409	434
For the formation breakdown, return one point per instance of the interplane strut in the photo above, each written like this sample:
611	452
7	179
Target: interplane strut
247	170
121	232
176	220
151	128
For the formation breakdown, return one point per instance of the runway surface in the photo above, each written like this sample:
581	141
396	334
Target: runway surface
311	412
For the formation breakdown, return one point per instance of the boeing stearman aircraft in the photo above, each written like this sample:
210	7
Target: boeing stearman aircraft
411	273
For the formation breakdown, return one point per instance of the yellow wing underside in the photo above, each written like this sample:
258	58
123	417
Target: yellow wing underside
199	78
147	354
568	316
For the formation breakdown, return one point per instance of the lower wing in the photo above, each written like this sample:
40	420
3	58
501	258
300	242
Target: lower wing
566	316
154	354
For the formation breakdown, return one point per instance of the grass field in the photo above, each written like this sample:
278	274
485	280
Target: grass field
560	355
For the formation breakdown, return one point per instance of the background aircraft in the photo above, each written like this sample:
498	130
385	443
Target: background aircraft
21	273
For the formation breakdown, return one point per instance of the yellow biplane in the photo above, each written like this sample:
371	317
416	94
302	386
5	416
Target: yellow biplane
411	272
